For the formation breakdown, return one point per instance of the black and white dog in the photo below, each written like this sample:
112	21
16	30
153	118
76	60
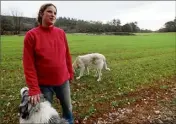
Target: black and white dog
43	112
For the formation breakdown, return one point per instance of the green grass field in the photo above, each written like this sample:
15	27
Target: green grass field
134	61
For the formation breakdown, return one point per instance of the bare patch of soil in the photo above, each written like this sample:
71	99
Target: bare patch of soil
152	104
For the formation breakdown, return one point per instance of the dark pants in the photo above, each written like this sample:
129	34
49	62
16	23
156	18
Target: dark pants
63	94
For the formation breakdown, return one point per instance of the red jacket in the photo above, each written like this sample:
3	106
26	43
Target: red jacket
46	58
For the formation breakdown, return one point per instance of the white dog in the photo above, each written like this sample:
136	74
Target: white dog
42	113
95	60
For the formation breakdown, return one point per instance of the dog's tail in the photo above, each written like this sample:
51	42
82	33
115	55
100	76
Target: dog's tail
105	64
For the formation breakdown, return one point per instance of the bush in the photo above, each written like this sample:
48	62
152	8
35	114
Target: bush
119	33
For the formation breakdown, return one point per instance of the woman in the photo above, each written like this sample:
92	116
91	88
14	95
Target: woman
47	61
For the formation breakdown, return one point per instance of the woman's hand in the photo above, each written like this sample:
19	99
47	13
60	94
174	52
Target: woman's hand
34	99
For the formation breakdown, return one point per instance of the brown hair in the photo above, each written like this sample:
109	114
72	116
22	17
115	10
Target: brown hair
42	9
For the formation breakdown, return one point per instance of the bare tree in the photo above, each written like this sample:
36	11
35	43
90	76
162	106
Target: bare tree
17	20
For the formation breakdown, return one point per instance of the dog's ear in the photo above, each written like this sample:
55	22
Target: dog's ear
23	110
23	107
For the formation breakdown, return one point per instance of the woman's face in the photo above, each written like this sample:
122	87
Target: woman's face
49	16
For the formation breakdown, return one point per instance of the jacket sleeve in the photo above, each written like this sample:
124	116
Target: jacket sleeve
68	58
29	66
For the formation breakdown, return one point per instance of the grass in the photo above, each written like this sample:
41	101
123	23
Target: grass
134	61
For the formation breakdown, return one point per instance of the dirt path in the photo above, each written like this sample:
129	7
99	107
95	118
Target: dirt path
154	104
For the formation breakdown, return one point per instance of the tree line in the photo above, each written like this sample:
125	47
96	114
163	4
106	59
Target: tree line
169	26
16	23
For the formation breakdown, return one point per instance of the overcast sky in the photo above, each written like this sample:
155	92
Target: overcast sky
148	14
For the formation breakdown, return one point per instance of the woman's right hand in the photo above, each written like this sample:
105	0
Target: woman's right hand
34	99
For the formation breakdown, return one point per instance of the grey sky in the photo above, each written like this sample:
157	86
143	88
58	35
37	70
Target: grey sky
149	14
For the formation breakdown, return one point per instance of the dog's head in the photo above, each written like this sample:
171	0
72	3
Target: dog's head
24	107
75	64
23	90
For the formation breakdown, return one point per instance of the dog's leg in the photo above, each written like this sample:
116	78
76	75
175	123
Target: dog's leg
96	72
81	73
87	69
99	75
